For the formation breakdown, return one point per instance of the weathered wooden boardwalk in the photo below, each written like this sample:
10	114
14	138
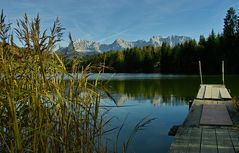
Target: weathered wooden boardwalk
206	140
213	91
208	128
215	114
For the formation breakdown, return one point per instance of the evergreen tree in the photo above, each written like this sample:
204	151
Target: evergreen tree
230	23
202	40
237	28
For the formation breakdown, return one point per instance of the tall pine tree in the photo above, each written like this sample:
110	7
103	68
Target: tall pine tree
237	28
230	23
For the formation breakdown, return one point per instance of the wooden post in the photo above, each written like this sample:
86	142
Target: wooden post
222	72
200	71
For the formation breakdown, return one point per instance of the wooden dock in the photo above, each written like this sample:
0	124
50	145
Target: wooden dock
208	128
213	91
206	140
215	114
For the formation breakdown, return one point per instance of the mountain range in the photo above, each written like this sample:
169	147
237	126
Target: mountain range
88	47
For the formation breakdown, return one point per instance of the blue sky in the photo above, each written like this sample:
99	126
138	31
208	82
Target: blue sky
107	20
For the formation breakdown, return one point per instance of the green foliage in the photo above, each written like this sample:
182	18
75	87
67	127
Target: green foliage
131	60
237	28
230	23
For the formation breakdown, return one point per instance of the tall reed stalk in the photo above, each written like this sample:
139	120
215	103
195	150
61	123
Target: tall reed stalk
40	110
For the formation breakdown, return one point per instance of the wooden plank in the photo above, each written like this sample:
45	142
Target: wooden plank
234	135
225	94
215	114
194	146
208	92
193	117
201	92
215	93
209	139
224	141
208	144
181	141
208	136
195	140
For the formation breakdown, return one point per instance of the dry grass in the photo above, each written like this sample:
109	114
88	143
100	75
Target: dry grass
235	101
40	110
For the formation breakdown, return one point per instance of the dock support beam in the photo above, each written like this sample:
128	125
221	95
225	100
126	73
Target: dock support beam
223	72
200	71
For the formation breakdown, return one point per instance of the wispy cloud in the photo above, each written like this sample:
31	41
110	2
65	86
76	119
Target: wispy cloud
113	35
105	20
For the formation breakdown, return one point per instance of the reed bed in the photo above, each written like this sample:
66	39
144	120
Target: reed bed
40	110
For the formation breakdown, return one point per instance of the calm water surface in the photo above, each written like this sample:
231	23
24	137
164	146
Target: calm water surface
163	97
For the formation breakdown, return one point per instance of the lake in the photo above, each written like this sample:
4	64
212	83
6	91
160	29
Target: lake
162	97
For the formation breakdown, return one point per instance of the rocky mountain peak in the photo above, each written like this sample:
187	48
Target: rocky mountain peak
91	47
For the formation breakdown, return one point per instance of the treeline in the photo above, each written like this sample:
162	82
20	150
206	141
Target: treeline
183	58
132	60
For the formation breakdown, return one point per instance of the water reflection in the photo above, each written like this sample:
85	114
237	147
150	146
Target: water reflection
164	98
170	90
172	100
